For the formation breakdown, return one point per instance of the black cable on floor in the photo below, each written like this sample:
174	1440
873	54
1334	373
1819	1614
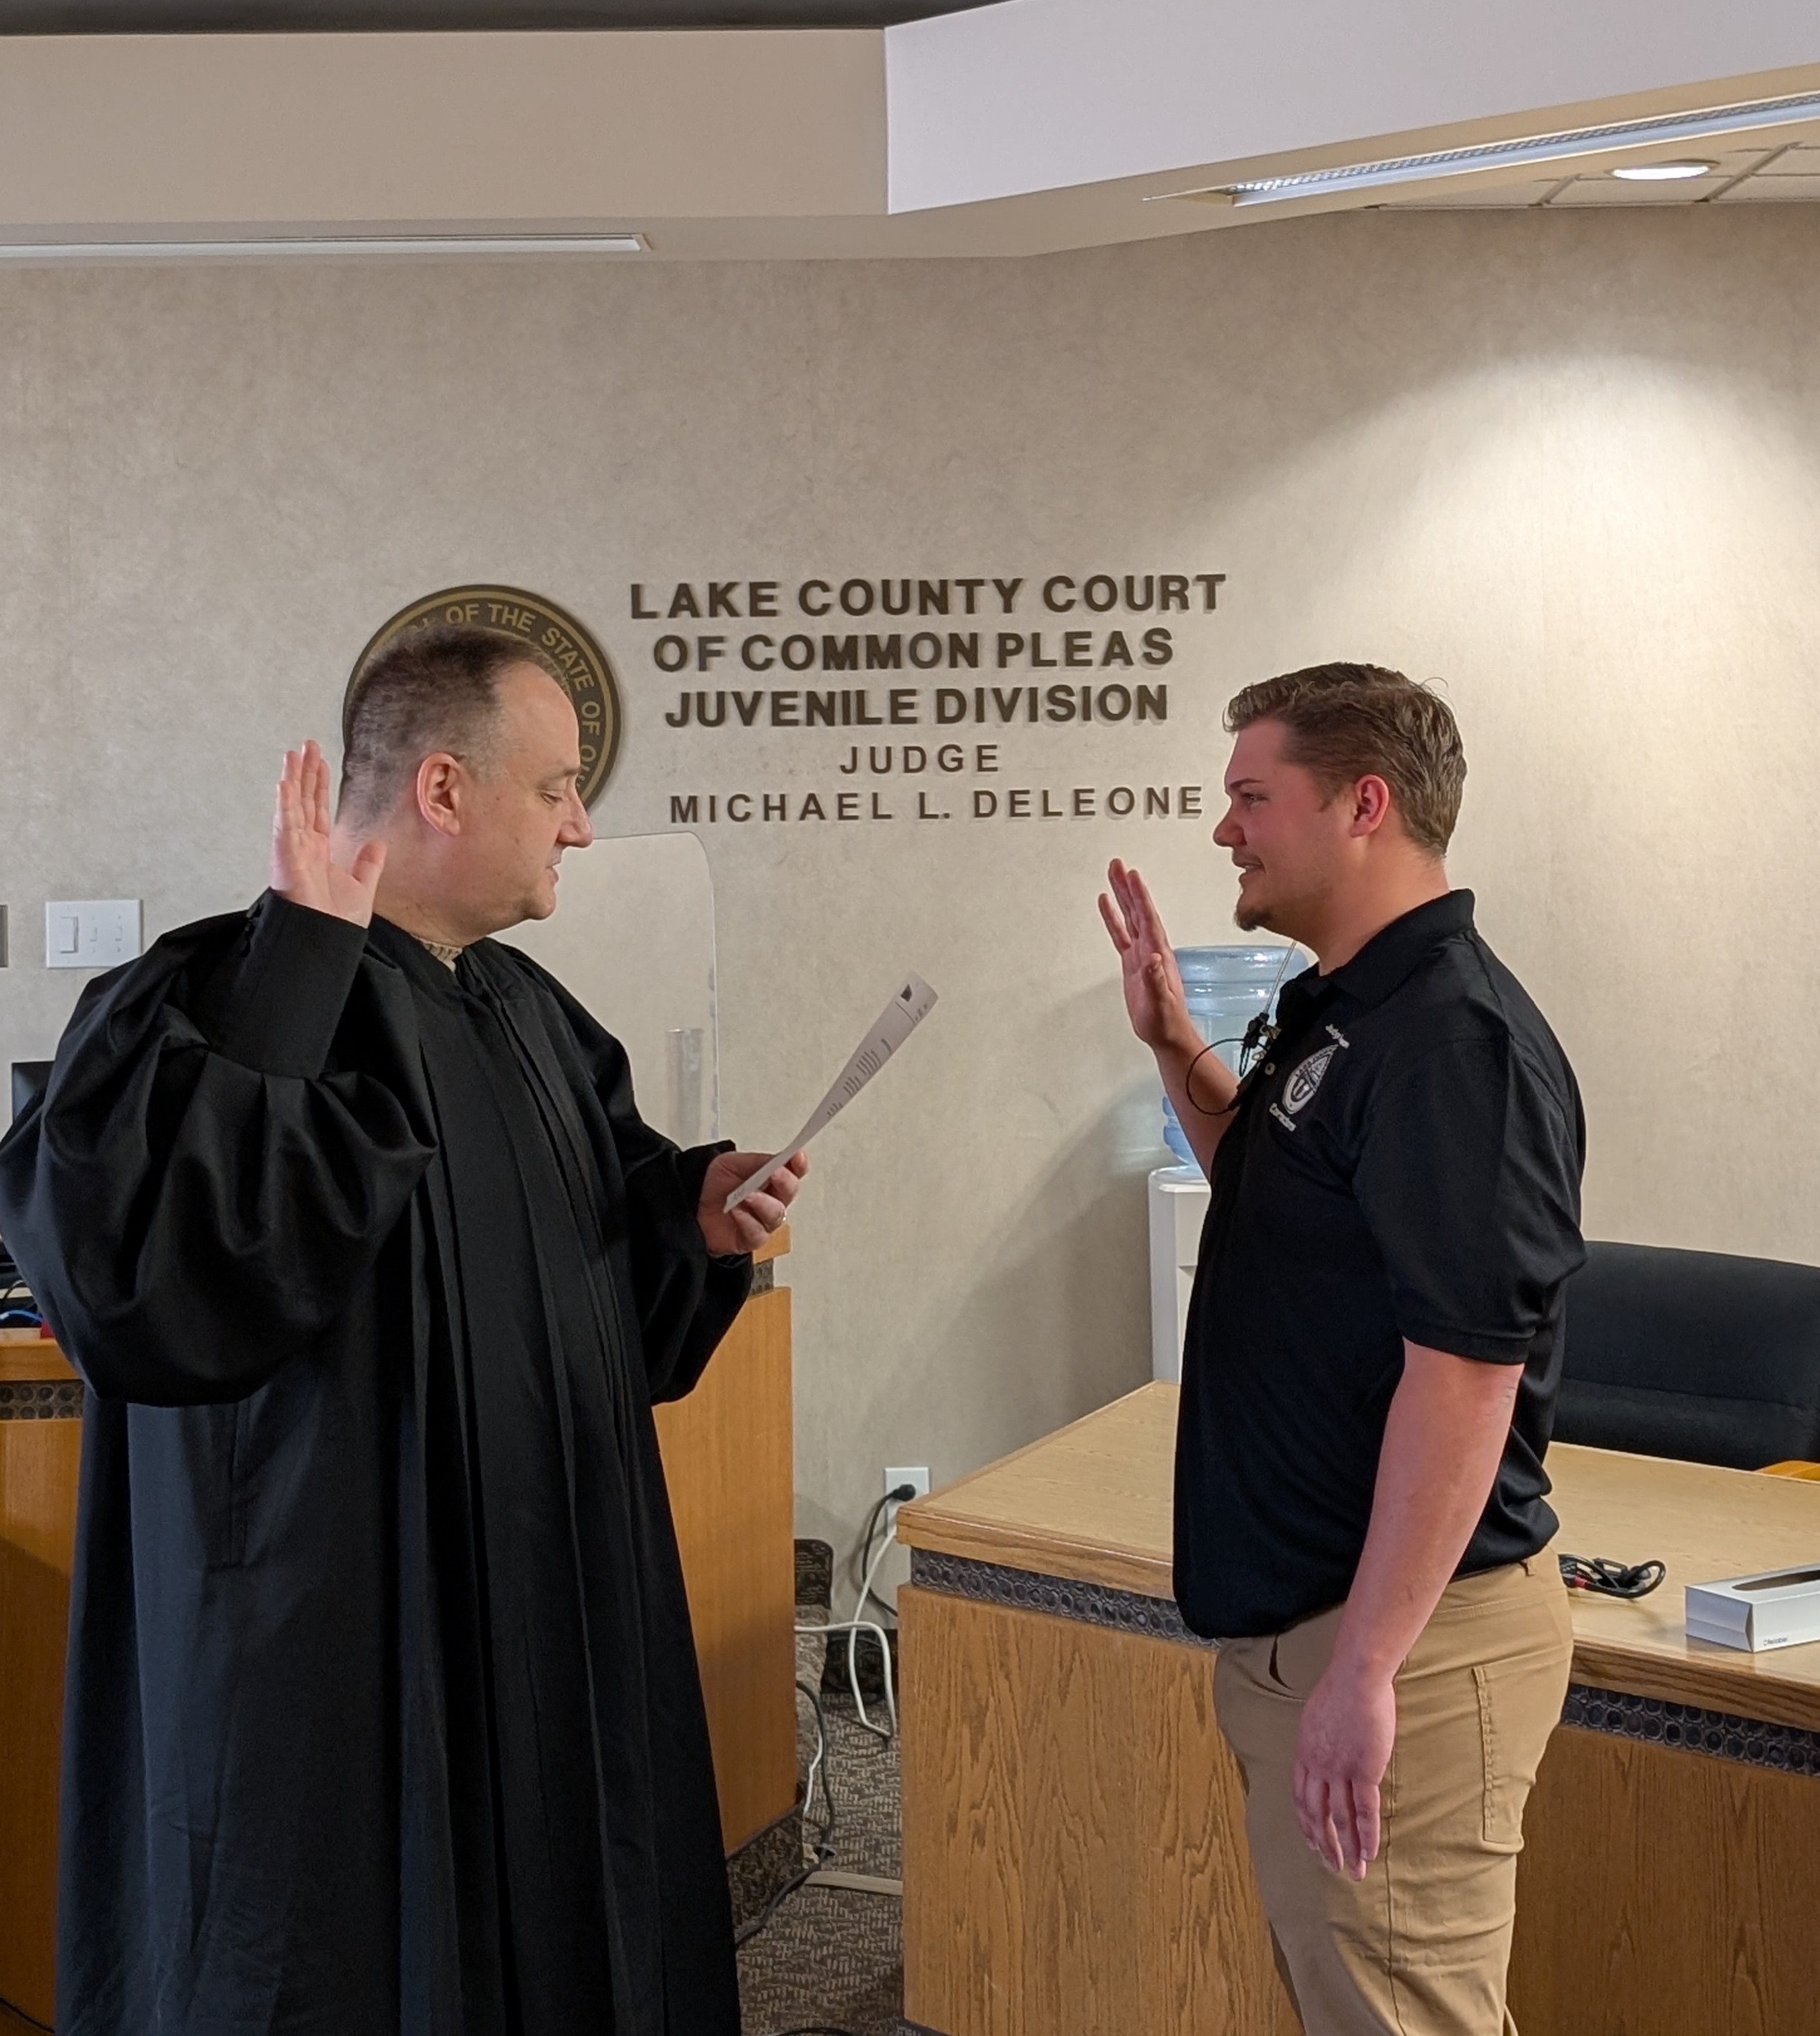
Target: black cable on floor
743	1937
33	2022
824	1838
878	1505
824	1851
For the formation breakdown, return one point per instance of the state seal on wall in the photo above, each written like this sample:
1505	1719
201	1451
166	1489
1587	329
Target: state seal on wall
553	637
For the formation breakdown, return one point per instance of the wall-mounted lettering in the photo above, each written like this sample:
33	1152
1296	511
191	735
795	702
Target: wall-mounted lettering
784	680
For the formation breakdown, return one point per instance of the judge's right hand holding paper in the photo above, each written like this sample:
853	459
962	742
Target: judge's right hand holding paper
745	1224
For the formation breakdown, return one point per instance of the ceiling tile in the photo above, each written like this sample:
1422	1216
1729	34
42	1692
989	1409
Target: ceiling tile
1615	190
1478	198
1773	190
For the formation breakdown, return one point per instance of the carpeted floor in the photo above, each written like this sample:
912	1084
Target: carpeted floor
829	1959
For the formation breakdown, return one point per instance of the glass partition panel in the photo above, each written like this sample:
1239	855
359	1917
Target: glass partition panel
632	939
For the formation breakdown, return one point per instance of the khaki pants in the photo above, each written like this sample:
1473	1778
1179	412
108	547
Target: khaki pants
1421	1946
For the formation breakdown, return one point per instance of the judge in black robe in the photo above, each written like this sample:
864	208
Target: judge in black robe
382	1713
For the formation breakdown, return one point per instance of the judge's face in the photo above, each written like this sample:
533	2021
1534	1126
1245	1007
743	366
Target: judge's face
499	865
1291	841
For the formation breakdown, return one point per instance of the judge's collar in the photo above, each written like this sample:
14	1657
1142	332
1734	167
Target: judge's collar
447	955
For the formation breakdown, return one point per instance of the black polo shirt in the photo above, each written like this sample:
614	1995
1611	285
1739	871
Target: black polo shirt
1404	1163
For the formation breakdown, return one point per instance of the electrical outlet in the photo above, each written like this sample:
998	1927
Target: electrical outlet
916	1474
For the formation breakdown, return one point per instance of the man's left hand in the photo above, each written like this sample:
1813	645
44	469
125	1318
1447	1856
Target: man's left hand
744	1228
1349	1726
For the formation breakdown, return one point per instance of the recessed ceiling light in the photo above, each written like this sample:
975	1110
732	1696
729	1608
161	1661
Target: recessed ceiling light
1663	173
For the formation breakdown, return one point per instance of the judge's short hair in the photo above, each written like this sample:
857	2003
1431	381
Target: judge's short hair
1347	722
434	690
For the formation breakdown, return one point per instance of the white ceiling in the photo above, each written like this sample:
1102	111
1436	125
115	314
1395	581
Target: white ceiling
1019	128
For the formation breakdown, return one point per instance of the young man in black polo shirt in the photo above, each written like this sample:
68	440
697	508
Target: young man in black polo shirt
1372	1361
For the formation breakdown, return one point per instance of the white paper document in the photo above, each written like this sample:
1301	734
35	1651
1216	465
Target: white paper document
898	1020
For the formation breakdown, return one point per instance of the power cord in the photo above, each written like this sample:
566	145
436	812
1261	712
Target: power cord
31	2021
821	1846
821	1840
900	1495
820	1765
1606	1579
859	1623
17	1309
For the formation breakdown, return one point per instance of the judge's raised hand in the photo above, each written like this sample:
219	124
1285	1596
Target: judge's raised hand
1153	999
304	869
729	1232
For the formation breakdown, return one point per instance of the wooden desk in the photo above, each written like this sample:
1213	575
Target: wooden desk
1075	1861
40	1441
727	1456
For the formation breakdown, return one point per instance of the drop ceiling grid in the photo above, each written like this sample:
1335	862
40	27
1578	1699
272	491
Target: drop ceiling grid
1788	172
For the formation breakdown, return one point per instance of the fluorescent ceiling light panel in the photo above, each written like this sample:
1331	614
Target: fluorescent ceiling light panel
1494	155
1663	173
424	244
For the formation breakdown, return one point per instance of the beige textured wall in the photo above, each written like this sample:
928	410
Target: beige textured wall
1570	462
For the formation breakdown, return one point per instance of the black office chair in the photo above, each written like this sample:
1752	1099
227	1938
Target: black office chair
30	1080
1695	1355
17	1309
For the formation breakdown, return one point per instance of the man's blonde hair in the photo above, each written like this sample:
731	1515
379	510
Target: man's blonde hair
1348	721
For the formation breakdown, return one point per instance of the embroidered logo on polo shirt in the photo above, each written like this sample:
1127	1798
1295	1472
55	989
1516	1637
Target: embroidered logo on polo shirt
1305	1079
1299	1089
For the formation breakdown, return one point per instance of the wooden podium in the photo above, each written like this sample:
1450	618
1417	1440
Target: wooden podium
727	1460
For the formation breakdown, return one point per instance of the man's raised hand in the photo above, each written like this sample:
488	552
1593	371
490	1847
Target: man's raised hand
1154	998
304	869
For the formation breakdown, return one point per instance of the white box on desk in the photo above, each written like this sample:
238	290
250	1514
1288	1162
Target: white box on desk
1774	1608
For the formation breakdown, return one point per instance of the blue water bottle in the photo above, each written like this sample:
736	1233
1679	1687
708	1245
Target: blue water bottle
1226	988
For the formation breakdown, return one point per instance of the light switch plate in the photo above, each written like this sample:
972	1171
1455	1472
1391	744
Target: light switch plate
91	933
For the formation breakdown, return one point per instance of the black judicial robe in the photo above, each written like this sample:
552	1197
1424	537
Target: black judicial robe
382	1713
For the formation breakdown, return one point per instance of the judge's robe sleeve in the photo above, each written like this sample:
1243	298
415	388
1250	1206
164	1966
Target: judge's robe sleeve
194	1199
686	1297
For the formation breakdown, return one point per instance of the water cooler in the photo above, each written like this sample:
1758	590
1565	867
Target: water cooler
1178	1208
1226	988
